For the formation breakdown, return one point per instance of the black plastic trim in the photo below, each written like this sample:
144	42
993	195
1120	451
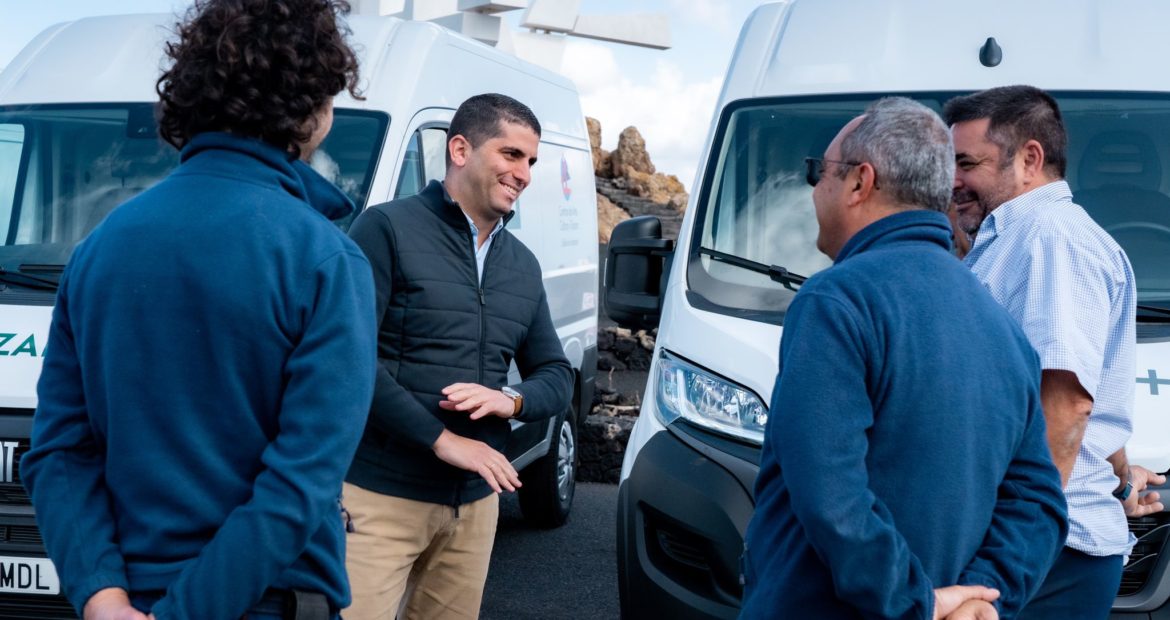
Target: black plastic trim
676	490
588	383
739	459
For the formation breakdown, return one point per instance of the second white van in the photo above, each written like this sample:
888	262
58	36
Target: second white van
800	71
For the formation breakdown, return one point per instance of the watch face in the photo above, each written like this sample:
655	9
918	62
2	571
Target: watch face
510	392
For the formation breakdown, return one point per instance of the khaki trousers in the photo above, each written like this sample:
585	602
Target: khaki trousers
416	558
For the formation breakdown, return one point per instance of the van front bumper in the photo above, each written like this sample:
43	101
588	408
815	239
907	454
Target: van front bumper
683	512
682	515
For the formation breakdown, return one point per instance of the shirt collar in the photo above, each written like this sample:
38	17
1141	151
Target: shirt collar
1020	207
475	230
292	174
450	210
915	225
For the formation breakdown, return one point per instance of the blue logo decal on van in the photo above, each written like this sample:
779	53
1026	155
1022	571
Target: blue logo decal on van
568	191
1153	381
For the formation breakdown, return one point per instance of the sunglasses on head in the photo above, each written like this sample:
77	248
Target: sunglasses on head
814	168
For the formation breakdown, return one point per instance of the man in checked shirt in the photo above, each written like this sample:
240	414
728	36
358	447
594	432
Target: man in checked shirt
1071	288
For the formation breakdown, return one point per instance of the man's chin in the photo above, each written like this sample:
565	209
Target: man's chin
969	225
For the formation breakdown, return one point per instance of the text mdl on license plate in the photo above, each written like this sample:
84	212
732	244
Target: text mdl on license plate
28	576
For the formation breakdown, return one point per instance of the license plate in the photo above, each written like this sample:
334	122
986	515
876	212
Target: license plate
28	576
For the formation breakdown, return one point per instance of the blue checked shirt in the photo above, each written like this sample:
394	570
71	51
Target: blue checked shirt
1072	290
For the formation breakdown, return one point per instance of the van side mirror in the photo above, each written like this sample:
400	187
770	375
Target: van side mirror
636	266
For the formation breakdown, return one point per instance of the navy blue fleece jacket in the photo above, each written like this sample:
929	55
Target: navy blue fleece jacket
208	374
905	448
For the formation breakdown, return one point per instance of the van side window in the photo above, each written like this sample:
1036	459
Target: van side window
349	155
434	149
11	149
425	161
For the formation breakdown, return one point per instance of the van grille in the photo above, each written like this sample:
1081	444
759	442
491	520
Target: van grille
13	493
678	548
21	535
688	558
1151	532
17	607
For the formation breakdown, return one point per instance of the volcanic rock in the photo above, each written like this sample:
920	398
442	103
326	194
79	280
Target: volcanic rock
630	154
601	157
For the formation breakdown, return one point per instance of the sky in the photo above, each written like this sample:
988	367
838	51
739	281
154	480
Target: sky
669	95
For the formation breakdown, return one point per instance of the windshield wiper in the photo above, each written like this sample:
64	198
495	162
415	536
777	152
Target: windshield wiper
1154	310
791	281
26	280
56	268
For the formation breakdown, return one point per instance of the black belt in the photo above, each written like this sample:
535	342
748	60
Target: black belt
294	605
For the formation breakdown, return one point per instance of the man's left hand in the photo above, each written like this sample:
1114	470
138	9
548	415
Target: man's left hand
947	600
477	399
1138	505
975	609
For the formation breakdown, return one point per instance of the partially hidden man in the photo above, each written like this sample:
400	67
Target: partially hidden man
458	299
899	479
1071	288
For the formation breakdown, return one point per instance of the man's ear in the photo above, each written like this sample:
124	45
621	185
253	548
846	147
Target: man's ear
1033	159
864	182
458	148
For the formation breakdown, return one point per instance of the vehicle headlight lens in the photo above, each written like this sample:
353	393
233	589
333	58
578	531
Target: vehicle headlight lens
707	400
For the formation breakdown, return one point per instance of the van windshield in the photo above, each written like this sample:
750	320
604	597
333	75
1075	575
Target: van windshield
64	168
756	205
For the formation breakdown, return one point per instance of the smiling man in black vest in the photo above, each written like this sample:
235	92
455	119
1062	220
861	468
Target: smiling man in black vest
458	299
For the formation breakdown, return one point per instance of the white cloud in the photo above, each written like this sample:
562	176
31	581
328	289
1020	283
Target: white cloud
713	13
672	113
589	65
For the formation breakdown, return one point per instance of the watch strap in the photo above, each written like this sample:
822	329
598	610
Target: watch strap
1123	493
517	400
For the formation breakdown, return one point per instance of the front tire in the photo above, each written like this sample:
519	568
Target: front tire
549	483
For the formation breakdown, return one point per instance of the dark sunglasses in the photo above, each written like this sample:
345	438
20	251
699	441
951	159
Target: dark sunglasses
814	168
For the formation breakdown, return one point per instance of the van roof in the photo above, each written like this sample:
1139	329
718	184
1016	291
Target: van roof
405	66
810	47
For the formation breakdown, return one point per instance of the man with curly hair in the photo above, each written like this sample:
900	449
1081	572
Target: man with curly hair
210	365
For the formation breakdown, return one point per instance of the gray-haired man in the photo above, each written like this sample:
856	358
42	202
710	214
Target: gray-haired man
887	476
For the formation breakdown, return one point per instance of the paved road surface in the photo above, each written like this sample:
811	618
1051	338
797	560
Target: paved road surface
570	572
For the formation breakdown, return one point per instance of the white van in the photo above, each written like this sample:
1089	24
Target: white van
78	138
799	72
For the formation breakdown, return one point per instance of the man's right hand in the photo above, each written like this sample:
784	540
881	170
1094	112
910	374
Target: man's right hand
975	609
948	600
478	457
1138	505
111	604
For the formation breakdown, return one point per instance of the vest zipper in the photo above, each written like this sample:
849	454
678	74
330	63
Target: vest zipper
482	330
477	280
483	309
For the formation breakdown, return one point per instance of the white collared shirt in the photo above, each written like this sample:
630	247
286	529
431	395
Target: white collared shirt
481	252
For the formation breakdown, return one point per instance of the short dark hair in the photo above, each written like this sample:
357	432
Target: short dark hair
480	118
1017	114
258	68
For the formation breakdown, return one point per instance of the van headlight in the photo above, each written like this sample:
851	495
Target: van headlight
707	400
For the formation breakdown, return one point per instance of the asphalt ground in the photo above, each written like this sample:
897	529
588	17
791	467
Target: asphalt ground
568	572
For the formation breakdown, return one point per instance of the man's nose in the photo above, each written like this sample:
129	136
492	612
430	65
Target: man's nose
523	172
